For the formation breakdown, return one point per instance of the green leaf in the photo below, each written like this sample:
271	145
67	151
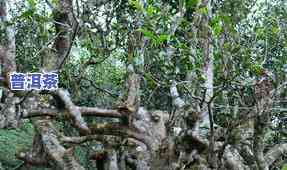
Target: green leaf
203	10
150	10
136	4
27	14
284	167
191	3
158	40
32	3
150	80
260	32
55	2
226	19
147	33
215	24
256	69
163	37
217	29
275	30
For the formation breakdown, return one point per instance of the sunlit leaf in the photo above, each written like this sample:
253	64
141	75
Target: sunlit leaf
136	4
275	30
147	33
203	10
163	38
150	10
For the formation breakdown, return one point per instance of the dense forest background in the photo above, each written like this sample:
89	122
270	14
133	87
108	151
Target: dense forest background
145	84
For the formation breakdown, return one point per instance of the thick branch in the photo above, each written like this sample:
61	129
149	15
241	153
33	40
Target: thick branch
263	108
132	99
86	111
177	101
275	152
81	139
63	158
94	111
66	28
233	160
74	111
8	48
119	130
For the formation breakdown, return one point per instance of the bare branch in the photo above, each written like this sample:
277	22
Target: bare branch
101	89
120	130
177	101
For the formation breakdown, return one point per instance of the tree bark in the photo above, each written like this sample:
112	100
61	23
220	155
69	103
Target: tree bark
263	96
8	113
